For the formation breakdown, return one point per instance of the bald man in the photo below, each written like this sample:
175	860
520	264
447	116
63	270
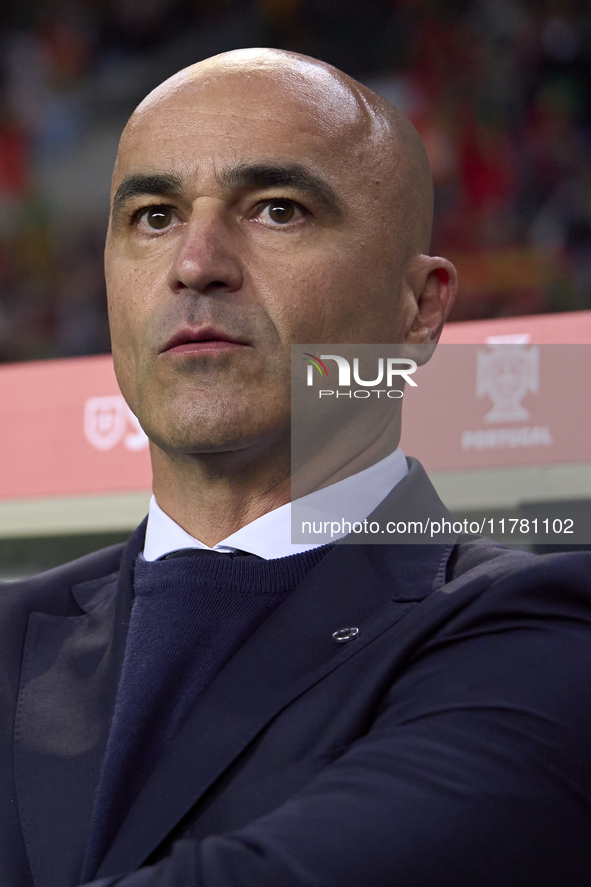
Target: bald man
211	705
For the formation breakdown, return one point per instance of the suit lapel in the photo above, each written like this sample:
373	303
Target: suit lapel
369	588
67	688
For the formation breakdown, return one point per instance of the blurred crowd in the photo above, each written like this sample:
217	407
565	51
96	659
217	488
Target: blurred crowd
499	90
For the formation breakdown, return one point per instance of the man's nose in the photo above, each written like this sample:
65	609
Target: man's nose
206	260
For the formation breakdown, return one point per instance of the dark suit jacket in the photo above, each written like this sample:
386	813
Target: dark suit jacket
448	743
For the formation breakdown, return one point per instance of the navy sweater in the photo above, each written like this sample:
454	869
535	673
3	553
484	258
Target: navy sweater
189	615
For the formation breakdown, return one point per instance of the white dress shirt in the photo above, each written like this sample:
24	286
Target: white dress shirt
269	536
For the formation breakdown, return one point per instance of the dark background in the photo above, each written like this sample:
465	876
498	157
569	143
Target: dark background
499	89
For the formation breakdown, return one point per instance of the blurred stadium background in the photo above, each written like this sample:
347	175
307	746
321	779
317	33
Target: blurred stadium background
500	91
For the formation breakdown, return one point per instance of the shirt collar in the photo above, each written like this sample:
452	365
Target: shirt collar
269	536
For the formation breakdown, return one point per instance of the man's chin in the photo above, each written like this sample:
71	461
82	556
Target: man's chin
201	439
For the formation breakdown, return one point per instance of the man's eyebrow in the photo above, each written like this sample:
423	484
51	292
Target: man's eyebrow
141	183
261	175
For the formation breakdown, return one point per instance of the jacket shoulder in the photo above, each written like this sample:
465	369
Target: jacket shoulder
481	556
52	591
552	585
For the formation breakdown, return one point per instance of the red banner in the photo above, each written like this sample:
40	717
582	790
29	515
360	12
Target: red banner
66	429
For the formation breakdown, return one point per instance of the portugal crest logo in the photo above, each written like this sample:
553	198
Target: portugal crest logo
506	374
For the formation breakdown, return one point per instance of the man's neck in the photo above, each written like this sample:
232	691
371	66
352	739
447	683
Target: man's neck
213	495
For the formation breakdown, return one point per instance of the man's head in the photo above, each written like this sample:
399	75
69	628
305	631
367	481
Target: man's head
261	199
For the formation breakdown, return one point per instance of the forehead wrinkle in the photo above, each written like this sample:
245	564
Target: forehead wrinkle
176	116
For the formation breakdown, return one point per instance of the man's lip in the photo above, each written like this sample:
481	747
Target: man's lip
196	341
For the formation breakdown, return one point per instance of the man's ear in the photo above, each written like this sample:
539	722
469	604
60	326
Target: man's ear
433	281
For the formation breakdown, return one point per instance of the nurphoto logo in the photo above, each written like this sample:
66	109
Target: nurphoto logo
388	372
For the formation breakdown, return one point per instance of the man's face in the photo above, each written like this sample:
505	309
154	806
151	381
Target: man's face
250	215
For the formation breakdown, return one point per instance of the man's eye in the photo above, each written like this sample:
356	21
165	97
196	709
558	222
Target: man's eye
280	212
156	218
